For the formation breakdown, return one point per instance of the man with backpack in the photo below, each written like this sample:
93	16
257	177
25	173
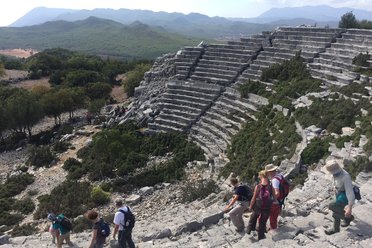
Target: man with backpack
124	222
64	227
345	196
242	195
260	205
101	230
280	189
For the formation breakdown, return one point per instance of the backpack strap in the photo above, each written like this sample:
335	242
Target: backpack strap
280	177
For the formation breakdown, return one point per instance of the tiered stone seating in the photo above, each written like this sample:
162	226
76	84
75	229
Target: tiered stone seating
186	61
213	131
222	63
286	42
334	66
182	104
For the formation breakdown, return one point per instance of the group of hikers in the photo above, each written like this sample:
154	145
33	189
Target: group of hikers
124	221
267	200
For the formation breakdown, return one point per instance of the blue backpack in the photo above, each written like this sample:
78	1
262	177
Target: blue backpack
104	228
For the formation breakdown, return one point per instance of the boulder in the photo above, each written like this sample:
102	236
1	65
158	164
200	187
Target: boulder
4	239
212	219
133	199
146	190
189	227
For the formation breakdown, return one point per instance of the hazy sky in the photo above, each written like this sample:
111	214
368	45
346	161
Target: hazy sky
14	9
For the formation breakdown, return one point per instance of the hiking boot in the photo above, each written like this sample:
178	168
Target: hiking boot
347	221
335	229
331	231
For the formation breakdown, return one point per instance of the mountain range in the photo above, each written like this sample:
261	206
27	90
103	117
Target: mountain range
96	36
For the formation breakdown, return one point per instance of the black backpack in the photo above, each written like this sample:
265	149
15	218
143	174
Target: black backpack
104	228
356	190
248	194
129	218
65	223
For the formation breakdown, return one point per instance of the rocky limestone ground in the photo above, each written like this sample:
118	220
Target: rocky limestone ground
202	223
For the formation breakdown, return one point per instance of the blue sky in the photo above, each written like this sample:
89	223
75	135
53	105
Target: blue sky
14	9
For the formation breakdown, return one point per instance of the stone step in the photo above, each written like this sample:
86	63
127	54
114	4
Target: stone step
315	30
357	42
306	37
257	67
227	74
236	56
358	48
252	99
333	62
302	47
365	32
209	125
207	145
195	53
203	146
159	120
245	106
279	50
346	53
192	115
357	37
239	46
251	74
228	59
225	127
220	65
187	98
232	64
211	80
164	128
266	55
222	50
328	82
233	109
266	61
212	113
302	43
180	108
180	102
209	137
331	76
193	48
255	40
335	56
174	117
325	67
195	86
198	94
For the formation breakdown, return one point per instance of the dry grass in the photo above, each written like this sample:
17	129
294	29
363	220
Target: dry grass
19	53
118	94
29	84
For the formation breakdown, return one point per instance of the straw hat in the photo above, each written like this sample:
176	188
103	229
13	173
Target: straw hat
270	167
333	167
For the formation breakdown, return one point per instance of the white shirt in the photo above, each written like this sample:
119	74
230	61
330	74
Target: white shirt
275	183
119	218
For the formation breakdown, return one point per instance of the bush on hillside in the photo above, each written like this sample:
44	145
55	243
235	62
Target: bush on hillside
71	198
361	164
316	150
361	59
198	190
99	196
40	156
251	86
15	185
25	206
81	224
24	230
134	77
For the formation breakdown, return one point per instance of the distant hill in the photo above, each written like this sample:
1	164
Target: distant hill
96	36
321	15
193	24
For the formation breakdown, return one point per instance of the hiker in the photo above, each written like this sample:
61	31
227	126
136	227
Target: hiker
241	196
344	197
124	223
260	205
98	238
276	207
63	230
52	231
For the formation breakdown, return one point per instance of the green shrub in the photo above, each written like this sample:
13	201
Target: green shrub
15	185
134	77
71	198
61	146
40	156
81	224
198	190
24	230
9	219
66	129
251	86
99	196
361	164
25	206
361	60
341	140
316	150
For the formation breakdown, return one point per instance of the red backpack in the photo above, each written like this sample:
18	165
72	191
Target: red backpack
264	198
283	188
